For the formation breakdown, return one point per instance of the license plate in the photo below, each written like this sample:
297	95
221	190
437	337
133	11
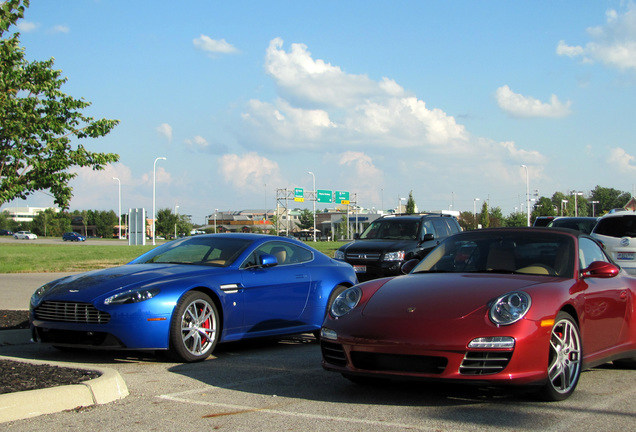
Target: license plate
625	256
360	268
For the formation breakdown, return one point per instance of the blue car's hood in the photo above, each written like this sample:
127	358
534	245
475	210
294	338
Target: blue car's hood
91	285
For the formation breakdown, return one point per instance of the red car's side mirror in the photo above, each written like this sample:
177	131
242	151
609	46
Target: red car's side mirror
601	269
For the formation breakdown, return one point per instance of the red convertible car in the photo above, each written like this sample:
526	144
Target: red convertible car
522	306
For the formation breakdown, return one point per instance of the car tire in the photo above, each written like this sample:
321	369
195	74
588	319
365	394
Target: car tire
194	328
564	363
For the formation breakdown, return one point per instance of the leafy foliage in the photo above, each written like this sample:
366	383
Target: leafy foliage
38	122
306	219
410	204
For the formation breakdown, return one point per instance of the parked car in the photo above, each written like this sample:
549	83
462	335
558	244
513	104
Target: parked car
73	236
390	241
542	221
583	224
190	294
617	232
25	235
6	232
504	306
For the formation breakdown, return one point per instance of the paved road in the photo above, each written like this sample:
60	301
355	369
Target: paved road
278	385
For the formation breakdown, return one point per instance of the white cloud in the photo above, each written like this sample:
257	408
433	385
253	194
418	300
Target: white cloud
249	172
322	107
207	44
26	26
165	130
621	161
197	143
518	105
613	44
61	29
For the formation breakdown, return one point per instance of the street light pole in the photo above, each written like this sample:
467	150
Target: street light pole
119	211
475	212
215	211
312	174
154	193
576	203
527	194
593	202
176	207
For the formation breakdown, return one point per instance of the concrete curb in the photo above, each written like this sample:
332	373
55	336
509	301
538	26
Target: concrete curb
109	387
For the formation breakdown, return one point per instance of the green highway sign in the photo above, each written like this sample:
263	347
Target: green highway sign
342	197
299	195
323	196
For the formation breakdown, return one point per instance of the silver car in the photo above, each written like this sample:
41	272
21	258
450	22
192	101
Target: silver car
617	233
25	235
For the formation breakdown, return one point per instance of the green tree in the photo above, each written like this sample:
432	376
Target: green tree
608	198
38	122
306	219
105	222
484	216
496	217
50	223
516	219
410	204
467	220
184	225
166	220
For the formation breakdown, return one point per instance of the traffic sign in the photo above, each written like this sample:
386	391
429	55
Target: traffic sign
342	197
323	196
299	195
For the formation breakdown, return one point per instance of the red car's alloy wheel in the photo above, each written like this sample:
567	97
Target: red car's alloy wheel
564	366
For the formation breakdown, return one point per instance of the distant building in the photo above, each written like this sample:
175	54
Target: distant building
26	214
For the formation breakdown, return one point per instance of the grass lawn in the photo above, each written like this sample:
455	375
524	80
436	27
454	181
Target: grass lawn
23	257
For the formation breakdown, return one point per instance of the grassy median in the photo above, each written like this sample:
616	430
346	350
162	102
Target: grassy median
22	257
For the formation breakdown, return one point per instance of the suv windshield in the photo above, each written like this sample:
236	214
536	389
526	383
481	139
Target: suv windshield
623	226
392	229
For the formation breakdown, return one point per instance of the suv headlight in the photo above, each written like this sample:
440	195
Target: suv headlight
394	256
345	302
339	255
510	308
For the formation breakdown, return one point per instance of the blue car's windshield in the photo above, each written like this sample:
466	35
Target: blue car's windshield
199	250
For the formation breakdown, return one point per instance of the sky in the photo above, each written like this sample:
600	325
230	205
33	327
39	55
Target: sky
447	100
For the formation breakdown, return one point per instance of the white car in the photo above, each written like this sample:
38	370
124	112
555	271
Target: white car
617	233
25	235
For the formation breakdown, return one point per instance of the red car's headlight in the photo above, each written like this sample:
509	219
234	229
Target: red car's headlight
510	308
345	302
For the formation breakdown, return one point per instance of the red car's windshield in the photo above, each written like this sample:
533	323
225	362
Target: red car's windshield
509	252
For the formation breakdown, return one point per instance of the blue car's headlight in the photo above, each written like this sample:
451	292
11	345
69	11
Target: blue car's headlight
510	308
39	294
345	302
132	296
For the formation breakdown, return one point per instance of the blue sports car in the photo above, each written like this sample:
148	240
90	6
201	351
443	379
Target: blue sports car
190	294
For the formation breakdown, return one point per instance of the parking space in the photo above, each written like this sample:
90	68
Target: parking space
279	385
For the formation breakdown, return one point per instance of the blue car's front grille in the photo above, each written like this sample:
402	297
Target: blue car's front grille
84	313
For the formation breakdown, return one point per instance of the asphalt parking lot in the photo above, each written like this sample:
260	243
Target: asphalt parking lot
274	385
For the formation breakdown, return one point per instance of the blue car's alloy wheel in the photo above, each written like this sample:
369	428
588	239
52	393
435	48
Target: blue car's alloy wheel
194	330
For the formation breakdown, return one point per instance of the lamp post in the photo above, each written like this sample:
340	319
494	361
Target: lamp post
399	209
527	194
119	211
576	203
215	211
563	201
475	212
314	232
593	202
176	207
154	193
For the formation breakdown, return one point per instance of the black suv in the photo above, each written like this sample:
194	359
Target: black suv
390	241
